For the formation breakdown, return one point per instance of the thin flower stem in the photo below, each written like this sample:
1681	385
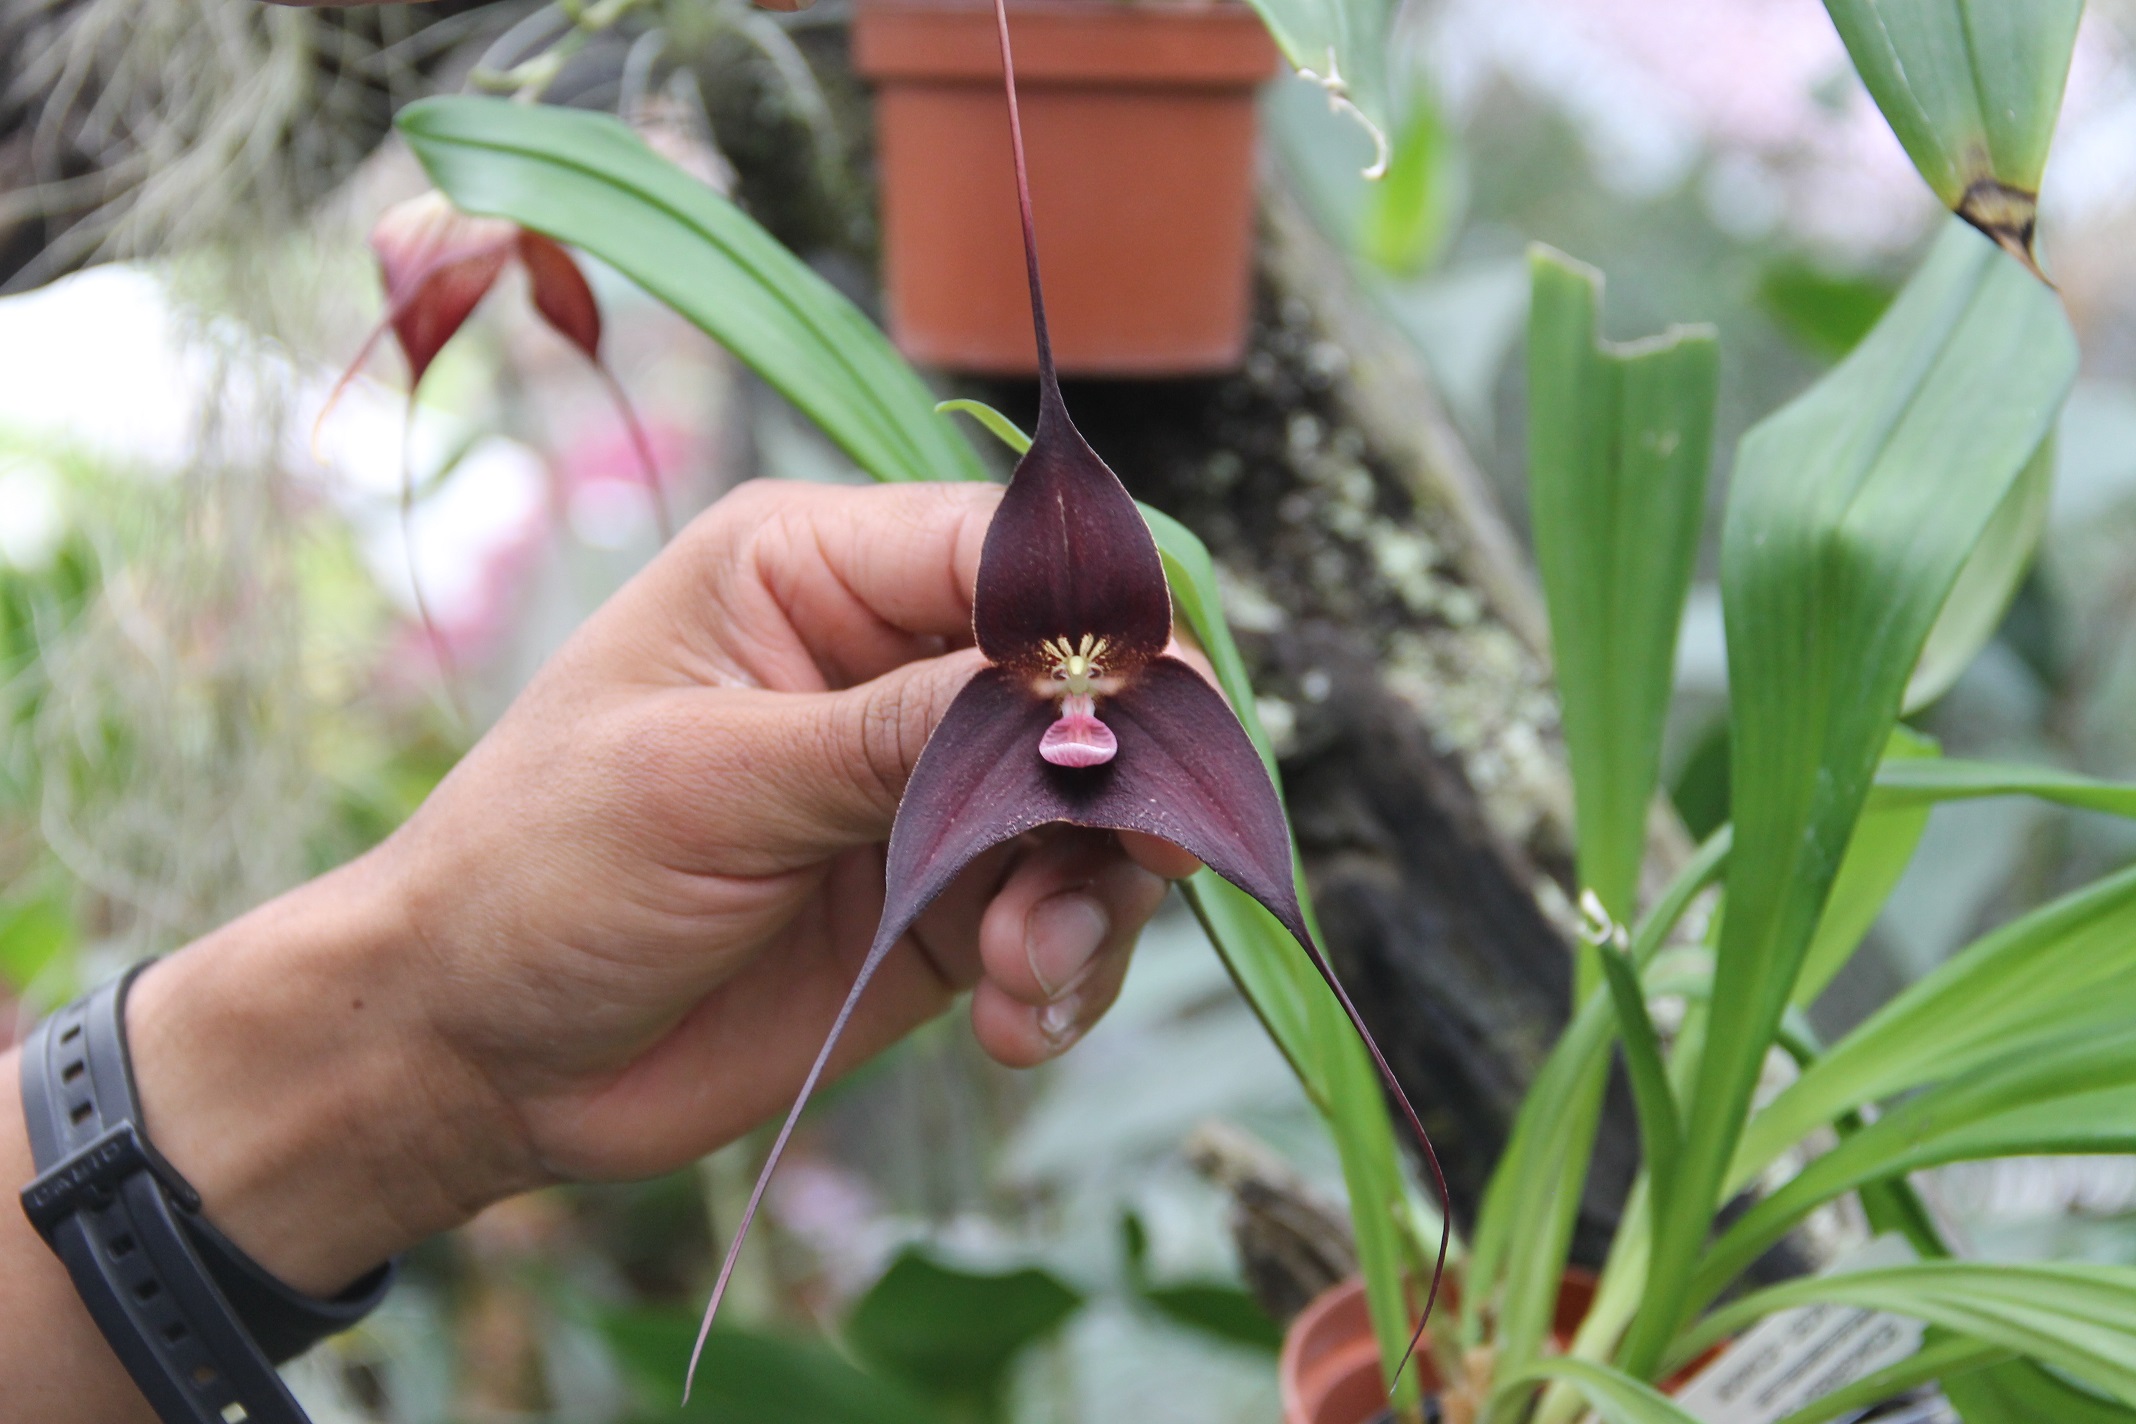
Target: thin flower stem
643	445
530	78
448	667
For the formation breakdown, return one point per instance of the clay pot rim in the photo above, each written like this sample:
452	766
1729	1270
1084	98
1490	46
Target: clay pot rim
1195	44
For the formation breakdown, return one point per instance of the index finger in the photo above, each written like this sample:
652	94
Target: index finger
805	587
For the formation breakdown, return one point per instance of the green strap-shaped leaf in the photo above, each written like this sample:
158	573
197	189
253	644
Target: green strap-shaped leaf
2020	1392
1616	1396
2075	1093
1971	88
1619	440
1298	1010
1924	783
2061	970
586	179
996	424
2081	1319
1949	1358
1654	1100
1851	513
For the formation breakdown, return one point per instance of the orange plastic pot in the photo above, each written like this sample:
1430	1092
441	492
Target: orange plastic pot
1139	130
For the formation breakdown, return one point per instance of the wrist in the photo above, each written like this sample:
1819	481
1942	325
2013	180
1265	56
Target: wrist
287	1068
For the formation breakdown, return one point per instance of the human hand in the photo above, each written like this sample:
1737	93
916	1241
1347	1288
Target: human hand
614	937
787	6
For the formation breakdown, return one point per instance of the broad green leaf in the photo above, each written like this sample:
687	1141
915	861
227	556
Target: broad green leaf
2081	1319
1619	439
1971	88
1341	45
1949	1358
2021	1392
1851	512
1878	853
944	1331
1827	312
1224	1311
1986	584
1616	1396
1411	213
2059	971
747	1377
2074	1093
1923	783
586	179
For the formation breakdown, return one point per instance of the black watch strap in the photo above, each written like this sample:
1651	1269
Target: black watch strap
195	1321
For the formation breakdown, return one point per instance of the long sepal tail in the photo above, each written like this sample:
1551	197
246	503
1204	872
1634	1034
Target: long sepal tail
1188	774
1049	385
979	782
884	943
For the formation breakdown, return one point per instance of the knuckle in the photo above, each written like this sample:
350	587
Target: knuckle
885	736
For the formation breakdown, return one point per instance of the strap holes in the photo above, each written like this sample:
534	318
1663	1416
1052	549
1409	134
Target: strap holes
148	1290
234	1413
81	1113
72	1071
71	1034
175	1331
205	1375
121	1246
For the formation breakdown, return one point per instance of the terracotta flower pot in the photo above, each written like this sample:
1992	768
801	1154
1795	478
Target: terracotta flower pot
1139	129
1329	1371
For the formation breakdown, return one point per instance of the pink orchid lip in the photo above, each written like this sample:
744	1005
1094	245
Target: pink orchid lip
1078	739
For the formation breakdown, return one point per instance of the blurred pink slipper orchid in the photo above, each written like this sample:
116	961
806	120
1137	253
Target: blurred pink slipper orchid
439	263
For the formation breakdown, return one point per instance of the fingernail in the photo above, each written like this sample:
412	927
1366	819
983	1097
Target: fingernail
1062	937
1060	1021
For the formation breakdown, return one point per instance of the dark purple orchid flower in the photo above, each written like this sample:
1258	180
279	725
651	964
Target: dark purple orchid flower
1082	719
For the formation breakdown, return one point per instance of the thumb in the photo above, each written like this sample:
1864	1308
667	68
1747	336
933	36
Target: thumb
823	771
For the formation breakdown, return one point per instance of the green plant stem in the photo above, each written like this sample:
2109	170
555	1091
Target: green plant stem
528	80
1624	1273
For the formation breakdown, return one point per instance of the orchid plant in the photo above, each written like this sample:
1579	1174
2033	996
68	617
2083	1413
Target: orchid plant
1876	528
1083	718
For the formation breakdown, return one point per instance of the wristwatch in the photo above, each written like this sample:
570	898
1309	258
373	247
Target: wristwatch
198	1324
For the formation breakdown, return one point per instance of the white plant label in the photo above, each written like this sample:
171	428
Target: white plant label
1789	1359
